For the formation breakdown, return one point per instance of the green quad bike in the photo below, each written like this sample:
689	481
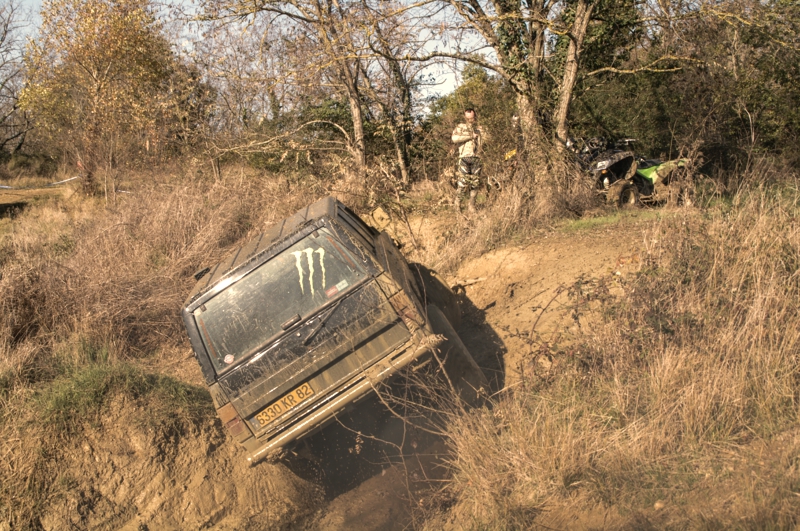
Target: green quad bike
629	181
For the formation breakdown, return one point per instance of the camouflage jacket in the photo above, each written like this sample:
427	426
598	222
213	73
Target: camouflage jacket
468	145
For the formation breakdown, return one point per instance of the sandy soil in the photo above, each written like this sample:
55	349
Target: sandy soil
528	297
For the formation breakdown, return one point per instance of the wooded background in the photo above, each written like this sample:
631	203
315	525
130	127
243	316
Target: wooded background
335	87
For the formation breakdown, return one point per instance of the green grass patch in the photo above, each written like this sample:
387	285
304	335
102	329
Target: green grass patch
617	217
82	395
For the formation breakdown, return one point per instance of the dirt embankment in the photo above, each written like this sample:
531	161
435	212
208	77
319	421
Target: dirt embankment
528	295
122	474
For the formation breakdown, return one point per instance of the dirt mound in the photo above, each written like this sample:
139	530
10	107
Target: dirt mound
122	474
523	296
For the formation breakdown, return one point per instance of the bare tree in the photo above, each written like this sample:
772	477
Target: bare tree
391	82
13	122
327	31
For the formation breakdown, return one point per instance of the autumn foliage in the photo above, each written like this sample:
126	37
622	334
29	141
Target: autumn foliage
104	85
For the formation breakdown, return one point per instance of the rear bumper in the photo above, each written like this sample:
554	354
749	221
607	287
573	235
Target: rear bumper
421	343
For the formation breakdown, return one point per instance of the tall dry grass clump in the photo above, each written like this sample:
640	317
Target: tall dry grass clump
696	363
536	190
115	274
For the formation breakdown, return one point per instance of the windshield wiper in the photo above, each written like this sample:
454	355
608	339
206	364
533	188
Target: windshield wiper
321	323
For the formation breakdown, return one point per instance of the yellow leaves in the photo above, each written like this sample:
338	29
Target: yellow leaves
98	64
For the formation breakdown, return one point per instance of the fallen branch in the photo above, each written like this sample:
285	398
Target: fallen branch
459	285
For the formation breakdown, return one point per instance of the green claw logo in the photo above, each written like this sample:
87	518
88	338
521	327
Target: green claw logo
310	259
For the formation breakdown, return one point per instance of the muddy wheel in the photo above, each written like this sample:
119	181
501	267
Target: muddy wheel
434	290
614	189
461	370
629	196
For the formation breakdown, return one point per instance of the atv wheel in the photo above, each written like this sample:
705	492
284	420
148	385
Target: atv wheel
459	366
629	196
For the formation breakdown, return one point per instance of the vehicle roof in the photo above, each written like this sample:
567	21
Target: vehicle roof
261	243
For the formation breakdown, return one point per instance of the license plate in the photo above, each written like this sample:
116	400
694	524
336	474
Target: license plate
284	404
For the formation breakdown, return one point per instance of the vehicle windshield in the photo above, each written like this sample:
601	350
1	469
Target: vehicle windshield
297	282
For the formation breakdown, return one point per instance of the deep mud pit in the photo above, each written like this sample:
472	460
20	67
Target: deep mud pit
370	471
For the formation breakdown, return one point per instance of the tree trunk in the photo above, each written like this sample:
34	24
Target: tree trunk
401	151
529	122
401	132
359	148
330	35
583	13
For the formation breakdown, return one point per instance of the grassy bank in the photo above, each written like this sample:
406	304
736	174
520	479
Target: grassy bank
41	424
681	410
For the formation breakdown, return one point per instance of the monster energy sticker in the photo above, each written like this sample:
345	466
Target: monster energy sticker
298	255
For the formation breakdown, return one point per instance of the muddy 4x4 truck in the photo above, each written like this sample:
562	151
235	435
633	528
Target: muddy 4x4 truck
309	318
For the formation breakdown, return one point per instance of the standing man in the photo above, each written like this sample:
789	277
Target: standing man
469	137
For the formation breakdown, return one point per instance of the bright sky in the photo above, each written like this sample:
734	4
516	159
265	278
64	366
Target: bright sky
29	11
446	78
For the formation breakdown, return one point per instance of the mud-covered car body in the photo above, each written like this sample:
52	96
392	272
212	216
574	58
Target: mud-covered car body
303	322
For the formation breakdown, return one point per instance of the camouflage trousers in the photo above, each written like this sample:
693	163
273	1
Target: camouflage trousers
469	174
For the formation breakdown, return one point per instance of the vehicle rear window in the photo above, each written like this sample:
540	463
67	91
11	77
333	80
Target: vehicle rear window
240	319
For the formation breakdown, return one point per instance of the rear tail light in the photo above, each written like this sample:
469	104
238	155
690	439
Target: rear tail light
230	419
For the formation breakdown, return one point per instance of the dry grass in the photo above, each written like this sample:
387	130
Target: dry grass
89	287
684	365
535	194
694	366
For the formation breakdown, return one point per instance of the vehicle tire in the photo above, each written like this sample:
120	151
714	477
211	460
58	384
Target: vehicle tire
462	372
434	290
614	190
629	196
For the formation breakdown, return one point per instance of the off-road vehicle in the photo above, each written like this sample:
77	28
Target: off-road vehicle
309	318
628	180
